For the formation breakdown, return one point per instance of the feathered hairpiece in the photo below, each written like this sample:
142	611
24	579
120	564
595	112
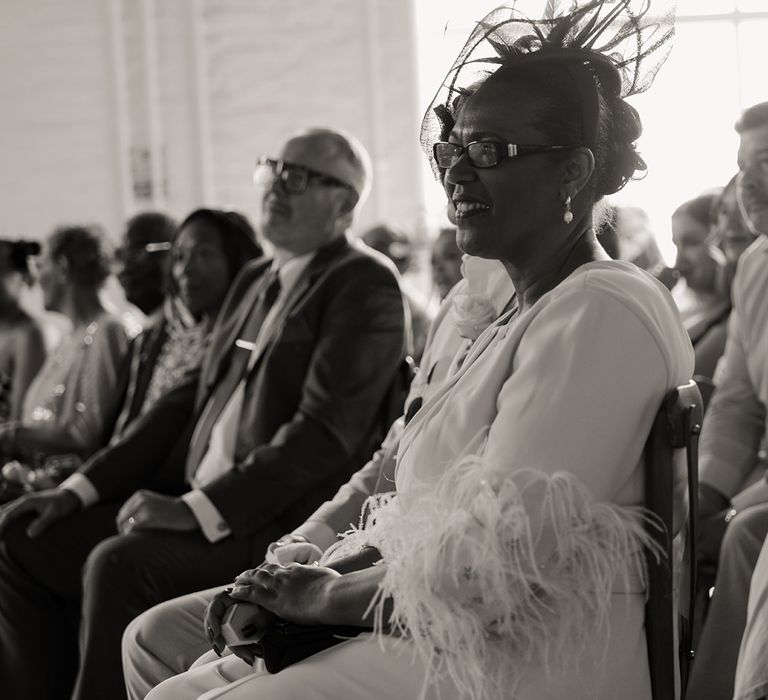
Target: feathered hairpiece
617	43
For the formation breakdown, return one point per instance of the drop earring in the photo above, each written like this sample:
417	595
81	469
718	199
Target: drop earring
568	215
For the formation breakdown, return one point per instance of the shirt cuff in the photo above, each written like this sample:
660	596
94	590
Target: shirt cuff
318	533
214	527
82	487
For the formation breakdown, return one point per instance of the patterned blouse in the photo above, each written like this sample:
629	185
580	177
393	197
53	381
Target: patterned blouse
182	351
77	384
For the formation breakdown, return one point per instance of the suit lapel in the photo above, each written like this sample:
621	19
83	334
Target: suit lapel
222	354
317	267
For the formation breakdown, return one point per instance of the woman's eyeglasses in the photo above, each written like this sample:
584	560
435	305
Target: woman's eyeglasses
294	178
484	154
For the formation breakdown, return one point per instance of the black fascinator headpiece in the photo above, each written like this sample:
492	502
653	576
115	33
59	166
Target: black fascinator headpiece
618	45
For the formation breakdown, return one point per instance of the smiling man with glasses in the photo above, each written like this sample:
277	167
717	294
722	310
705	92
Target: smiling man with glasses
298	386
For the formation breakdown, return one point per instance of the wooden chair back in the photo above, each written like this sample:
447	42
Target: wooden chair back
671	470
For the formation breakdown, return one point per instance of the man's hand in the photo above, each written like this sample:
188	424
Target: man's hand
147	510
293	548
50	506
297	593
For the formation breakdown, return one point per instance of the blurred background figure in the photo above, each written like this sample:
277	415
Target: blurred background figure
702	298
142	260
446	262
65	406
731	232
393	243
637	242
22	348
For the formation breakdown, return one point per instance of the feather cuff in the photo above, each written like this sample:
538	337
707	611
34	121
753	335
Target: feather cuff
491	575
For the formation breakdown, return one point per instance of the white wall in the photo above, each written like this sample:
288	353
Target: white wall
184	94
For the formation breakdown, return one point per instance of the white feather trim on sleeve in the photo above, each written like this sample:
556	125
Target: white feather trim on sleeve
490	574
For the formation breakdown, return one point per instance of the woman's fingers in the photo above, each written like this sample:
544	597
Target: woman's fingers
213	616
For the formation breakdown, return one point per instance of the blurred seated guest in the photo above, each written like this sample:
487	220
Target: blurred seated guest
637	242
65	406
167	639
733	498
142	259
751	677
208	250
731	232
446	262
22	348
393	243
509	560
296	390
700	296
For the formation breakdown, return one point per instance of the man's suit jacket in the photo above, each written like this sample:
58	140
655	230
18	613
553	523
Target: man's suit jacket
321	395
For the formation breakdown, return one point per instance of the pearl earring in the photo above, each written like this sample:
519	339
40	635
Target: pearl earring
568	215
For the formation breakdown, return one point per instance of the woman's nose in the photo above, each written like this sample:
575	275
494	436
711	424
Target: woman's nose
460	171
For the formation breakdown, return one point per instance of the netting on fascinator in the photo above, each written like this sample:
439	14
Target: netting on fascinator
616	44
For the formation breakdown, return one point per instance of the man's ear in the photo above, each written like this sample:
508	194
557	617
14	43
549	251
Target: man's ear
578	170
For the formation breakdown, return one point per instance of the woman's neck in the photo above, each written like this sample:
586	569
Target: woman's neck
534	278
82	307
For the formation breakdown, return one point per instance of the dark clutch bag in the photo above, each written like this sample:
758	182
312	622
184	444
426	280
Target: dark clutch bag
284	643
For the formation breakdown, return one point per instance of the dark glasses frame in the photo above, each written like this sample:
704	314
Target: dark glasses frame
492	151
285	171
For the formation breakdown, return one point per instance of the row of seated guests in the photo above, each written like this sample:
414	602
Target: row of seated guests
584	350
558	391
731	661
298	383
97	381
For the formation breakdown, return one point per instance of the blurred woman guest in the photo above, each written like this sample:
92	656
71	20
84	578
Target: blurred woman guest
637	242
65	407
22	349
446	262
701	296
208	249
511	555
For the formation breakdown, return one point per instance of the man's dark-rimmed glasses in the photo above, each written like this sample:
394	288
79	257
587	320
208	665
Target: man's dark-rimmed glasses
294	178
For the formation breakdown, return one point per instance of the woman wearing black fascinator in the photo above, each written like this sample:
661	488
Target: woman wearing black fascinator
509	558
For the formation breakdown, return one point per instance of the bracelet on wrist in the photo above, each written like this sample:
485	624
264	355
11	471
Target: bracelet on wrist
730	515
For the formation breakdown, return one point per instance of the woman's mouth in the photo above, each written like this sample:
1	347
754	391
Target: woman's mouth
466	209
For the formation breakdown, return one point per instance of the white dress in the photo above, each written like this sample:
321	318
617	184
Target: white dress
571	386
